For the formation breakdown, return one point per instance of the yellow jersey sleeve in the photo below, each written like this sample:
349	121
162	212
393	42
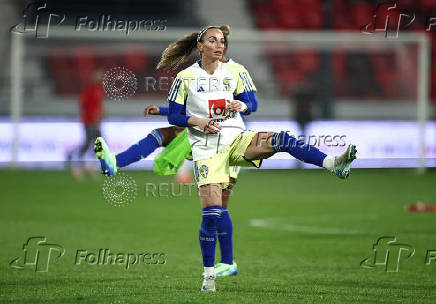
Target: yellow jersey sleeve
247	79
179	89
244	81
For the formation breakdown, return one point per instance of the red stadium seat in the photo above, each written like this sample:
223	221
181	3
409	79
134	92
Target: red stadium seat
341	16
289	79
313	15
135	59
427	5
265	16
362	14
293	67
290	19
308	61
84	64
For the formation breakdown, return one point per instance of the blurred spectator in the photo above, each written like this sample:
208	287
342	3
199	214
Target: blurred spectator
91	98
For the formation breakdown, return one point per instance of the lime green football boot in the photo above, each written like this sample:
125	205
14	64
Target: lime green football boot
224	270
107	159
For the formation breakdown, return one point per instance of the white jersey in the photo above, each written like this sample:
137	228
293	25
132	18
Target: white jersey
206	96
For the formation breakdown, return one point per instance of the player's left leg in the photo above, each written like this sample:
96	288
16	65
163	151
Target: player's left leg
156	138
210	197
266	144
141	150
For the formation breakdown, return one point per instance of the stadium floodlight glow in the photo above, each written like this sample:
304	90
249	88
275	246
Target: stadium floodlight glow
289	40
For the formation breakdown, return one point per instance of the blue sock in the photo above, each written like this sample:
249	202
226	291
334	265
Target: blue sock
140	150
208	234
283	142
225	236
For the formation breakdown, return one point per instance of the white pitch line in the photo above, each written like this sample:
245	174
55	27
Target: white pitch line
273	224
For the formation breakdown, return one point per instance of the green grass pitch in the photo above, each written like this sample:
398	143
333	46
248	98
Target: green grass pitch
299	237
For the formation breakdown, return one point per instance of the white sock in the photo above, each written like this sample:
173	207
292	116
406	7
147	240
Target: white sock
329	163
209	271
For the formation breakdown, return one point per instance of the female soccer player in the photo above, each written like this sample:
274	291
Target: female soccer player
202	98
177	146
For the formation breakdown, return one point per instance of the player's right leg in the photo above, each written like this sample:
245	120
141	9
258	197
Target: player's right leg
266	144
157	138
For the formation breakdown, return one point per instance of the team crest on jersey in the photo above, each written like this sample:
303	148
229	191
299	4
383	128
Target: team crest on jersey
203	171
226	83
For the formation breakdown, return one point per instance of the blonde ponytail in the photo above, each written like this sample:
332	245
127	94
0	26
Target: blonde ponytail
179	51
225	29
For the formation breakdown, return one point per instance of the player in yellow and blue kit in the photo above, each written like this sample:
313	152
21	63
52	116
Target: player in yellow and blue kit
177	148
206	98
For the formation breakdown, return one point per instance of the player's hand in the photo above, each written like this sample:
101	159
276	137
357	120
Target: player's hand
209	126
151	110
237	106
